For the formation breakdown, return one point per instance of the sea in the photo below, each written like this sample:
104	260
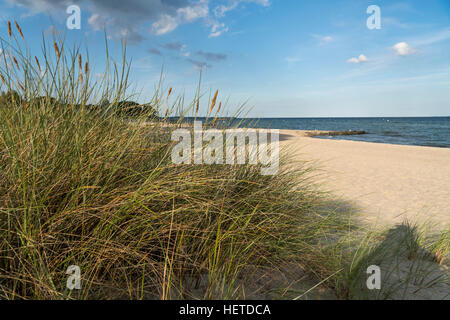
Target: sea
419	131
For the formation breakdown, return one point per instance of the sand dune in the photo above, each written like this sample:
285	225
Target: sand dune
386	183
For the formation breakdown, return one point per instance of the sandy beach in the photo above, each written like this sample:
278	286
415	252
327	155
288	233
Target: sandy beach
384	183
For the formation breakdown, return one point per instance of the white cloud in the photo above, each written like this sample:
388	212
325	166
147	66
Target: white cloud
361	58
192	13
96	22
217	29
164	24
128	18
221	10
403	49
323	39
167	23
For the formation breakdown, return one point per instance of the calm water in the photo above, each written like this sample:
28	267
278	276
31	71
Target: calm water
430	131
433	131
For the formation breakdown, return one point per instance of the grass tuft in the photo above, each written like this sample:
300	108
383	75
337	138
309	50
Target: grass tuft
86	183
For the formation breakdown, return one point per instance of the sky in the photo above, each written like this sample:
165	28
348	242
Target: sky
283	58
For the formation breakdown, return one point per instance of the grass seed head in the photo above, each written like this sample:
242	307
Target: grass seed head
58	54
15	61
18	29
213	102
9	29
38	64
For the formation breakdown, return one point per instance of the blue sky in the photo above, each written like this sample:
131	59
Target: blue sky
288	58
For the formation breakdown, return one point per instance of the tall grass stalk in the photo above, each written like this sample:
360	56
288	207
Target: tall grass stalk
85	184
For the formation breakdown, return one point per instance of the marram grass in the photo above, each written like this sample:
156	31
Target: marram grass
82	184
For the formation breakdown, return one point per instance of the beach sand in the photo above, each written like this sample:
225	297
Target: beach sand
384	183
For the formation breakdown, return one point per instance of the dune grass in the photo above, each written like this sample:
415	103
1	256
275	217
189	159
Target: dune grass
84	185
412	261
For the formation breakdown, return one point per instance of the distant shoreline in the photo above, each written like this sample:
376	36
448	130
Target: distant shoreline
418	131
425	131
328	135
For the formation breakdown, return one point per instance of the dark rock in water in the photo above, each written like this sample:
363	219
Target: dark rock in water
346	133
335	133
